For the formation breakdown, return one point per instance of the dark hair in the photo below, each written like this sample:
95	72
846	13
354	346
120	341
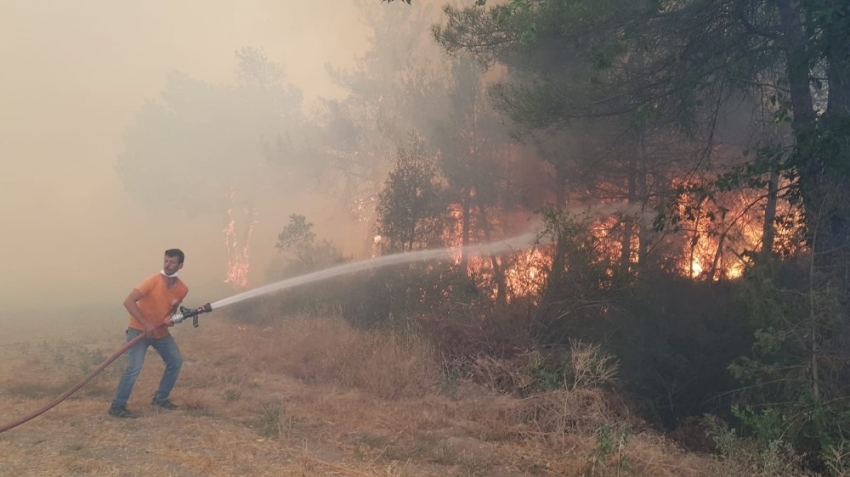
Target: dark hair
175	252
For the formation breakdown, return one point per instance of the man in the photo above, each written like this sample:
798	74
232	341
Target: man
151	305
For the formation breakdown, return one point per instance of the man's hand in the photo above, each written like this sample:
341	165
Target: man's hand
167	319
133	308
149	329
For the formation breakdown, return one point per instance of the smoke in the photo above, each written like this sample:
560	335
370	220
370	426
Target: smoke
79	78
603	210
76	77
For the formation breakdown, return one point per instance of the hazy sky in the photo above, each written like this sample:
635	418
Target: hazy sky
74	76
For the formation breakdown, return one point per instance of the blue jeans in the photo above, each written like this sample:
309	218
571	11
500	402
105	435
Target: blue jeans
170	354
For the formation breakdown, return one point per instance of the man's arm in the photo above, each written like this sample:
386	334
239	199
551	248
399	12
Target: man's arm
133	308
174	304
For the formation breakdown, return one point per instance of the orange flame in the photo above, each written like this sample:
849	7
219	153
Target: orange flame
238	263
526	275
523	270
716	242
721	233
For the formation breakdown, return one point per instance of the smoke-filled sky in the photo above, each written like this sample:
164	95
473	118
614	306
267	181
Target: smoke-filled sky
75	74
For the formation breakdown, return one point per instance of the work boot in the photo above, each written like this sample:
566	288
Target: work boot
122	412
164	404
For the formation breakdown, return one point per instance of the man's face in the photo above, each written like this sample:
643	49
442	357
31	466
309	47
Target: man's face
170	265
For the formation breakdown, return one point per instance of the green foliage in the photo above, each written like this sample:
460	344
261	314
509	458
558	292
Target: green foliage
410	208
793	385
270	420
650	76
591	59
740	456
611	443
273	422
301	251
724	438
837	458
546	377
672	337
766	425
296	235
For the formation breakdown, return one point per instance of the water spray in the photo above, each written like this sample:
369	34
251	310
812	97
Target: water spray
184	313
520	242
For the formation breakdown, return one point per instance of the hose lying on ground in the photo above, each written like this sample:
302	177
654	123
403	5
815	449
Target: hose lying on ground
174	319
75	388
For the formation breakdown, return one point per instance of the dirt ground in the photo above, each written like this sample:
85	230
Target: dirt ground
253	402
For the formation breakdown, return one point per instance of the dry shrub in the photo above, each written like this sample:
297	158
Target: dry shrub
559	412
650	454
195	401
585	366
498	335
50	368
692	434
589	366
502	375
329	351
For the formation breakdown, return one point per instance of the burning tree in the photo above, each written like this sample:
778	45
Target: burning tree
238	245
688	64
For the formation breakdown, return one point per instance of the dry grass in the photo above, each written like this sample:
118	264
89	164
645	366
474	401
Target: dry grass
312	397
330	352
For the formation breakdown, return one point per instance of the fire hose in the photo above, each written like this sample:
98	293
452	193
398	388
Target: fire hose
173	320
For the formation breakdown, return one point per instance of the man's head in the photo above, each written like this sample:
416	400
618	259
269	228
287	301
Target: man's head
177	253
173	261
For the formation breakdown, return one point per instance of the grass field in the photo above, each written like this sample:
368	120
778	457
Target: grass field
304	397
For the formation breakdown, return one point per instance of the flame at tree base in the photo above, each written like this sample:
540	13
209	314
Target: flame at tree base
238	256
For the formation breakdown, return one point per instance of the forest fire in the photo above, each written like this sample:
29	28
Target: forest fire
721	234
523	271
238	263
526	275
714	240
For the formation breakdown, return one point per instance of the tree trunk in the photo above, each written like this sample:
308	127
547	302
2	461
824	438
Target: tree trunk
838	71
559	260
498	273
823	155
560	186
797	62
628	219
465	210
768	227
643	195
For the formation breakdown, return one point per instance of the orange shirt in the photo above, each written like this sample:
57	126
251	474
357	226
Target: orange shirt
157	302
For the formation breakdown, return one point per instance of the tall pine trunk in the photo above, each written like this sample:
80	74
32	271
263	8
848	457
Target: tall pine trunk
823	158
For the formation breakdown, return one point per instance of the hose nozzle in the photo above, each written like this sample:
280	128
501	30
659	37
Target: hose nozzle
190	313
